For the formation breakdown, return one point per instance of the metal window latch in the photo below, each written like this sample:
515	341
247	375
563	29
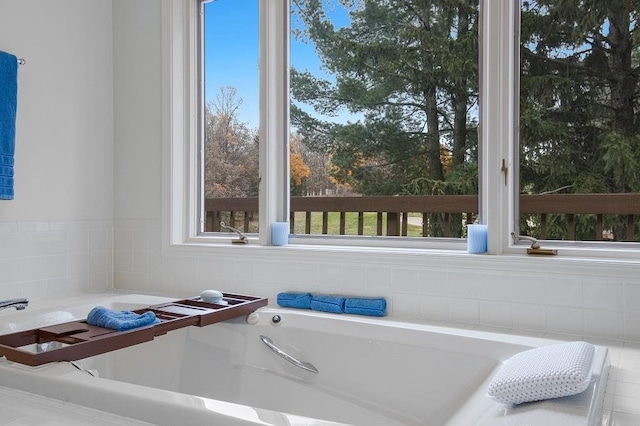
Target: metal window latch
535	245
505	171
242	239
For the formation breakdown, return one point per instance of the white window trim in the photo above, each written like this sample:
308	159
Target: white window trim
499	21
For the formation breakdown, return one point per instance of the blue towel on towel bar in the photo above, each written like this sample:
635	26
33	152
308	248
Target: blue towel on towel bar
294	300
119	320
375	307
327	303
8	107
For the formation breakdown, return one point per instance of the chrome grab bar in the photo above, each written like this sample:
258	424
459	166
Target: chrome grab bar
300	364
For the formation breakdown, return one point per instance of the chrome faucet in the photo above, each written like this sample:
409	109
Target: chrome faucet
19	304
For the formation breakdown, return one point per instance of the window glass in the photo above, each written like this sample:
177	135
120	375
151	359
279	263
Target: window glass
384	115
579	138
229	176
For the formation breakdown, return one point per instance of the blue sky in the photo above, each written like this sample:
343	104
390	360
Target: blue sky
231	52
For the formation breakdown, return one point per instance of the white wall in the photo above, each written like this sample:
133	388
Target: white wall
137	108
64	134
56	236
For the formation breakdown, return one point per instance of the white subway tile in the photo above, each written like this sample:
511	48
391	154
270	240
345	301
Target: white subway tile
565	320
463	284
98	239
353	276
123	261
603	324
78	241
632	326
631	293
8	227
123	239
33	226
435	308
494	313
11	245
529	317
378	277
139	241
493	286
405	280
36	243
36	268
605	295
36	289
58	266
78	263
406	305
529	289
263	271
434	282
463	311
329	277
139	262
154	241
564	291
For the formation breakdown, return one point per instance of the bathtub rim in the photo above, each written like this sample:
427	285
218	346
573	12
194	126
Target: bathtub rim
390	323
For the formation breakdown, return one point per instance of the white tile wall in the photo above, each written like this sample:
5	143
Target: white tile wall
600	304
45	259
508	293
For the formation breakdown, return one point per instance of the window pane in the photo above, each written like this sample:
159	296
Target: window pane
384	115
230	114
579	131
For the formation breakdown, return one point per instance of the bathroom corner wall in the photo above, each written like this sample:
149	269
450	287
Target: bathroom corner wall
56	235
47	259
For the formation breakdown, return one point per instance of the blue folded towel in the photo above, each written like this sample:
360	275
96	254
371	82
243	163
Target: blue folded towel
294	300
327	303
373	307
8	107
119	320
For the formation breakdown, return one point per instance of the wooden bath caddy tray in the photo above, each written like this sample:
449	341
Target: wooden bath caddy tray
75	340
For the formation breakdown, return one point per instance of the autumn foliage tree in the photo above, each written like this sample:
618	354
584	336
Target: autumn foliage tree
231	152
230	149
299	171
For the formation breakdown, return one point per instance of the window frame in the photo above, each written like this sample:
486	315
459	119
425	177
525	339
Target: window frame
499	71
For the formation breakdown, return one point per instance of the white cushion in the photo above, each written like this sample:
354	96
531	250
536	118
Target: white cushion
546	372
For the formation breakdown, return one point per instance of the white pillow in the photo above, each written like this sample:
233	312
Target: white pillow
546	372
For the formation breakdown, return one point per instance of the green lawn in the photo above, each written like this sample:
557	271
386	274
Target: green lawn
351	224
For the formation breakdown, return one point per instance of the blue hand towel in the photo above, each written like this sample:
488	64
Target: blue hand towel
360	306
327	303
294	300
119	320
8	107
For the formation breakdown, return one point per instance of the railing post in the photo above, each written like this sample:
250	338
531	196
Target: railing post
393	224
405	219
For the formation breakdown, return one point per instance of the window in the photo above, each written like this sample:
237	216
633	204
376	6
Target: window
372	138
579	134
526	80
230	115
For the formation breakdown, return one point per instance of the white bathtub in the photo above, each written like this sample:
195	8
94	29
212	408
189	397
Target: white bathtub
371	372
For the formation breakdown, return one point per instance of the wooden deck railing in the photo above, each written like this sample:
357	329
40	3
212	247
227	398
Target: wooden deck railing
240	212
